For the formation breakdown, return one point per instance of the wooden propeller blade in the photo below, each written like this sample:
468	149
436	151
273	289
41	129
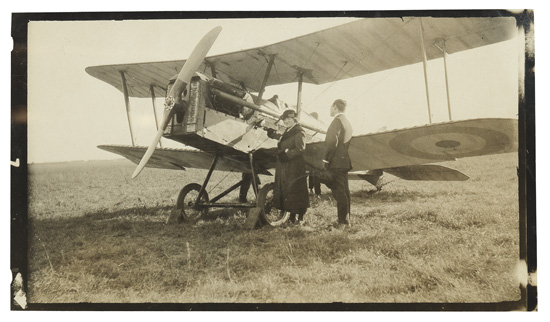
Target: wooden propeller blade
184	77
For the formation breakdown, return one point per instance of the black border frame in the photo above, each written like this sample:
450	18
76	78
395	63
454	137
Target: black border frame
526	170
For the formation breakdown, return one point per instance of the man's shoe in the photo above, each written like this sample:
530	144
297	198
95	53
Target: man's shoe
342	226
292	218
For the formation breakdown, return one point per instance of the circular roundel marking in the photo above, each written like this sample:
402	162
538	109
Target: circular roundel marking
448	142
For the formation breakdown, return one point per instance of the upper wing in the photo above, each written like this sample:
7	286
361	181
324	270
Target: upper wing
353	49
177	159
139	77
427	144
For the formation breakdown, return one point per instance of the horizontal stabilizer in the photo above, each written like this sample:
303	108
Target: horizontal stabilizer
427	172
372	176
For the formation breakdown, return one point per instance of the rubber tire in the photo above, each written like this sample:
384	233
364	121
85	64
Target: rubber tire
189	216
264	202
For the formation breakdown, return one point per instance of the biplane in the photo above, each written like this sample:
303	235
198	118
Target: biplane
216	106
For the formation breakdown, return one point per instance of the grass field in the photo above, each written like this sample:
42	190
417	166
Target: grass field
96	235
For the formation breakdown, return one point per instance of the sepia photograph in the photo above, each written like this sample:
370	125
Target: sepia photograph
367	160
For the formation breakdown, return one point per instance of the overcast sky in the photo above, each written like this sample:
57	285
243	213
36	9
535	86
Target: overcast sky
70	112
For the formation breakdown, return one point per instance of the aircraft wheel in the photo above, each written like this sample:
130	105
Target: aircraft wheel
270	215
186	200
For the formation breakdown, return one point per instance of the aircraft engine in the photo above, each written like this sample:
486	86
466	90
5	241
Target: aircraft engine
230	107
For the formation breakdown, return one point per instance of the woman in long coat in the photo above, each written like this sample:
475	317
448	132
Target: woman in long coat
290	189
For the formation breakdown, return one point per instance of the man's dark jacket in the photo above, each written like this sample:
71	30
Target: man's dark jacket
337	143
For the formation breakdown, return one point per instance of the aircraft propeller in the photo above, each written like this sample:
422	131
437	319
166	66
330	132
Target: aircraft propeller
174	100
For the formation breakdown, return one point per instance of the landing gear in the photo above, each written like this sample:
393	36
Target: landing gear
269	215
187	204
193	201
373	177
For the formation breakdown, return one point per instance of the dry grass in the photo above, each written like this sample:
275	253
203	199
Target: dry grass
97	236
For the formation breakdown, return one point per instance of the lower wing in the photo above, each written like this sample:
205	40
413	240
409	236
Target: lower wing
407	153
177	159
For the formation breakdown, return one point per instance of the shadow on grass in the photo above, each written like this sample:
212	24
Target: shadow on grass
224	213
106	214
164	211
390	196
141	218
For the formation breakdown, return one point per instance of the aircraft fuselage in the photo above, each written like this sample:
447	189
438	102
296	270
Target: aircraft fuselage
215	124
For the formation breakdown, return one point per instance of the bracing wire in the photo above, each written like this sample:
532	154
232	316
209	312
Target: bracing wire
259	69
277	72
338	77
311	55
256	146
222	179
308	59
332	84
368	89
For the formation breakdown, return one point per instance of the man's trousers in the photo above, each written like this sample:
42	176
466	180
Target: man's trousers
340	192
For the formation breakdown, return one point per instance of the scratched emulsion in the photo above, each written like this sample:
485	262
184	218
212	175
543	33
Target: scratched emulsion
19	295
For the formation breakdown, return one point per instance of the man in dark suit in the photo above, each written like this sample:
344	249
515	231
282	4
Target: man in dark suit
337	160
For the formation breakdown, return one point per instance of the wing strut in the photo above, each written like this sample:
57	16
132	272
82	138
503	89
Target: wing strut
299	99
152	87
127	102
213	71
444	50
266	77
425	60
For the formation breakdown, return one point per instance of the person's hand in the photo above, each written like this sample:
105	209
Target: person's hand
325	165
270	132
258	123
282	157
